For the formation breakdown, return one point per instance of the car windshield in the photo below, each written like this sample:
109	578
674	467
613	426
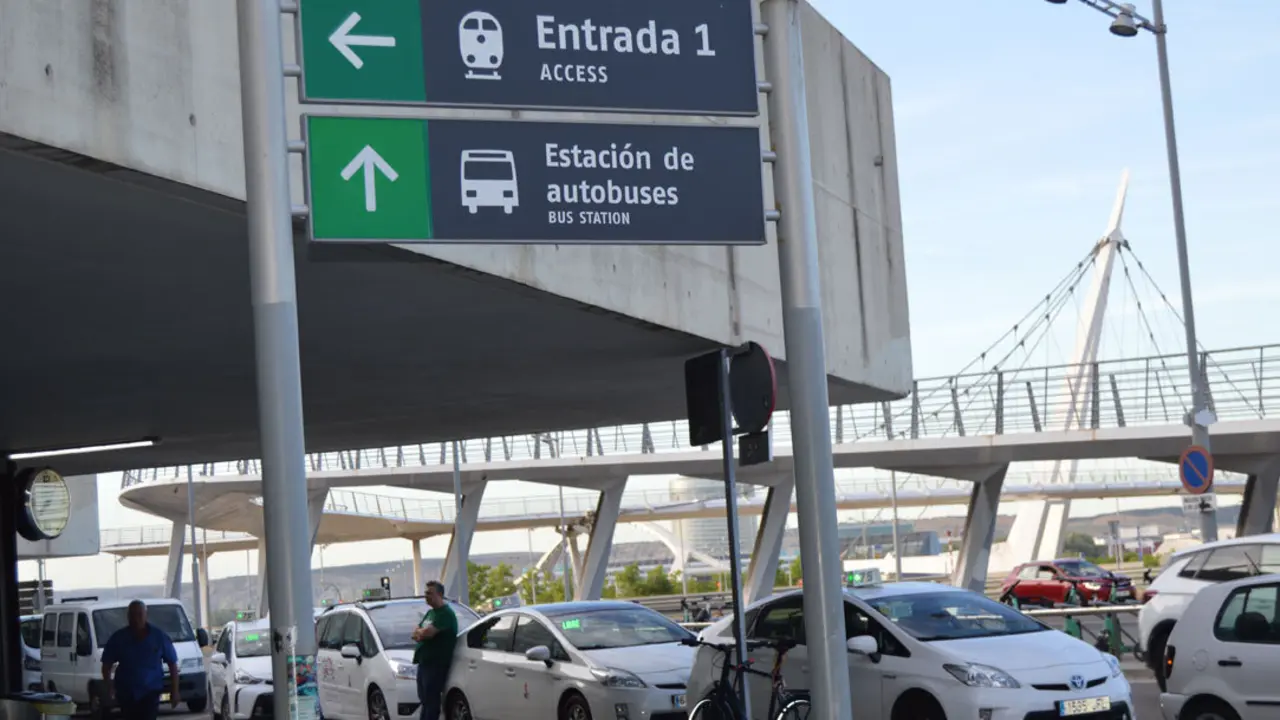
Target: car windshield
954	616
252	643
1080	568
170	618
31	632
395	621
616	627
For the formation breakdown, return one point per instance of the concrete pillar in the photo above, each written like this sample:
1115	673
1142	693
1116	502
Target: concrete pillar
315	512
205	612
173	573
418	585
768	546
575	557
979	532
595	566
454	575
1258	510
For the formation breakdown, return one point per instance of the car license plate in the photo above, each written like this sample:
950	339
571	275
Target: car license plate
1084	706
679	701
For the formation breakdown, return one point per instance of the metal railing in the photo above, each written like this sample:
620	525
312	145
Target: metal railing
1243	383
579	504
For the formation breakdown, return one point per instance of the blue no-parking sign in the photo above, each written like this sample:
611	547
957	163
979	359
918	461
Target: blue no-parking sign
1195	468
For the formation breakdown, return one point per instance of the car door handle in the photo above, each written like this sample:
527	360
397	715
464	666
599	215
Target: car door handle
510	673
1230	662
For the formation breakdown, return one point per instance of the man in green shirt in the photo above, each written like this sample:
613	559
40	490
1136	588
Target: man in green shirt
436	635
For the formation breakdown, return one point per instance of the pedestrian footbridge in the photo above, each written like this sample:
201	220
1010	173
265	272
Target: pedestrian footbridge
960	428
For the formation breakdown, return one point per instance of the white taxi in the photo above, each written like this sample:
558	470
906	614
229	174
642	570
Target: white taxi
576	660
939	652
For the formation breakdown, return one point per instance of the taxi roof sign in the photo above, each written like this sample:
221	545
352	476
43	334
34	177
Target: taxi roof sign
862	577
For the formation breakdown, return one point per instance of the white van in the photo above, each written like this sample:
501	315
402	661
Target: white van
31	679
75	631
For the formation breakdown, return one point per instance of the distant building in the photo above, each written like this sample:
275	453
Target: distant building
710	535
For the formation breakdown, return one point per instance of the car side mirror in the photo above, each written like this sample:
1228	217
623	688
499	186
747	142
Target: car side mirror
220	658
83	649
539	653
352	652
866	646
202	637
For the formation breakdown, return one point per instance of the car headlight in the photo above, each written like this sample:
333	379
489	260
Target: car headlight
406	671
30	663
1114	663
613	677
975	675
1093	586
244	678
191	664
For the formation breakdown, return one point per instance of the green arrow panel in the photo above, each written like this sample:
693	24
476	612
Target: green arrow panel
383	42
368	179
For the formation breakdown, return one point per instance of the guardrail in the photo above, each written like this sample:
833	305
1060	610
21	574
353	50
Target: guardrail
1243	383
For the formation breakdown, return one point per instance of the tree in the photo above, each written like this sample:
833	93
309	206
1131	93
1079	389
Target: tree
478	582
788	575
542	588
659	582
500	581
629	581
1080	544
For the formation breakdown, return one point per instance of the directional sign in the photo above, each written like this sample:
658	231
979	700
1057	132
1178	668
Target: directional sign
670	56
468	181
1195	467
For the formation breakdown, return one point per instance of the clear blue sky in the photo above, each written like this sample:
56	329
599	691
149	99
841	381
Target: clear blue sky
1014	120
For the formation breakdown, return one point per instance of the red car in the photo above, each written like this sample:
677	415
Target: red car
1048	582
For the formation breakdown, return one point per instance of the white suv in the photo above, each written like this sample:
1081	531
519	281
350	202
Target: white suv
364	661
1191	570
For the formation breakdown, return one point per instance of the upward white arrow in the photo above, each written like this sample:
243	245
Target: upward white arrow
371	163
343	40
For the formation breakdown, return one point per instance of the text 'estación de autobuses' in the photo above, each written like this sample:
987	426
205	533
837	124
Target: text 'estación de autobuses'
619	195
590	36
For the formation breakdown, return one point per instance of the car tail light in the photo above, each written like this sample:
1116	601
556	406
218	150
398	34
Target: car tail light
1169	653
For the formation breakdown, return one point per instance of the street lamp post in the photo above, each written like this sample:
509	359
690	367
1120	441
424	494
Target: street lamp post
1126	22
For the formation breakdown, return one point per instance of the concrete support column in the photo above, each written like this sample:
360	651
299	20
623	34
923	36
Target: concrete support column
575	557
1258	510
768	546
173	573
979	532
205	612
315	512
595	566
418	586
454	575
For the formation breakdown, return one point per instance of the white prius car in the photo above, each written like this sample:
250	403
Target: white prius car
940	652
574	661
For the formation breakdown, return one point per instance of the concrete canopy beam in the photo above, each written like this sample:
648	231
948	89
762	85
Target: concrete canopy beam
595	565
979	533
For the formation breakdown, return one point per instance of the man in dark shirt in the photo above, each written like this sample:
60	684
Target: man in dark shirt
436	635
137	654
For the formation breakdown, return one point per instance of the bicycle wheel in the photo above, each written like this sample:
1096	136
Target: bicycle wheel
712	708
794	710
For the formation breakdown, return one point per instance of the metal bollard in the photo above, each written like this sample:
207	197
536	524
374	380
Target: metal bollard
1071	626
1112	627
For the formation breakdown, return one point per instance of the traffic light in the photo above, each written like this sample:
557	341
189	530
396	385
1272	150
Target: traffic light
386	585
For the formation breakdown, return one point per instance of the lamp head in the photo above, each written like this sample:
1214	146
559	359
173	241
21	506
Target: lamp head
1124	25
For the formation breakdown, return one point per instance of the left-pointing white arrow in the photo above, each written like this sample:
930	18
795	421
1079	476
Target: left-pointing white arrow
343	40
371	163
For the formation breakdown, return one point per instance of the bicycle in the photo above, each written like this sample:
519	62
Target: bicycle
723	703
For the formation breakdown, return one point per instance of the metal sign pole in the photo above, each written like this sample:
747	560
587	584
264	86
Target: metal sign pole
806	361
731	509
195	549
275	320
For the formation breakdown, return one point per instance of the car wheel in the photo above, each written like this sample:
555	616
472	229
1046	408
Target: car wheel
1208	709
1155	655
198	705
457	707
574	707
918	706
226	707
378	705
